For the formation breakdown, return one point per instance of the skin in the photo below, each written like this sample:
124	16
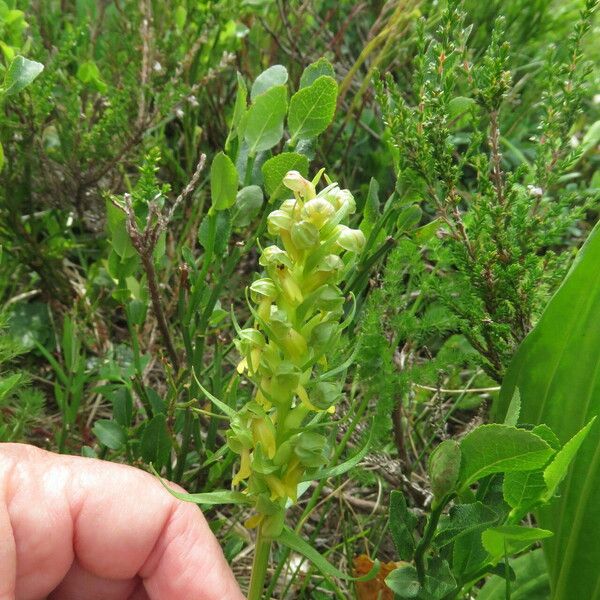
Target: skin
74	528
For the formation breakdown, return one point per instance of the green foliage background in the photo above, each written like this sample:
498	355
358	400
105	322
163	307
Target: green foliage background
467	133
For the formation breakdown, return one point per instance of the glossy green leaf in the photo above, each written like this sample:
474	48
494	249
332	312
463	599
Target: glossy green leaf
556	471
312	108
514	410
275	75
293	541
223	182
556	371
275	169
511	539
20	73
523	490
500	449
315	70
263	123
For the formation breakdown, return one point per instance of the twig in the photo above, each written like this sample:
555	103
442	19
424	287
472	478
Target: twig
144	241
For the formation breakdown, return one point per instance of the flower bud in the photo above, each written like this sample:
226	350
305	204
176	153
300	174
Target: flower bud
328	298
273	256
278	221
264	433
295	182
318	211
304	235
251	337
349	239
291	207
245	470
341	198
263	288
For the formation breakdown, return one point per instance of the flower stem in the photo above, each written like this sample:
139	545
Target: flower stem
259	566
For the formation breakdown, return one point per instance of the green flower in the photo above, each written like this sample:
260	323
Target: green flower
297	307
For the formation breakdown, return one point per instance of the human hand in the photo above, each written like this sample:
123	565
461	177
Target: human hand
75	528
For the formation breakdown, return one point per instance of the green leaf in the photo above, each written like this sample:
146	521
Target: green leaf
21	72
223	182
404	582
312	108
89	74
110	433
556	471
239	109
1	157
500	449
531	581
409	218
459	106
468	554
214	232
345	466
293	541
248	202
315	70
462	520
275	169
402	525
444	468
556	371
275	75
156	444
263	123
591	137
119	238
180	17
511	539
524	490
439	581
548	436
206	498
514	410
230	412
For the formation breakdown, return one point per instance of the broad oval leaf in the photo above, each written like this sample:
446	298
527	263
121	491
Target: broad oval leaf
404	582
312	108
223	182
110	433
507	540
275	169
275	75
316	70
21	72
500	449
263	123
